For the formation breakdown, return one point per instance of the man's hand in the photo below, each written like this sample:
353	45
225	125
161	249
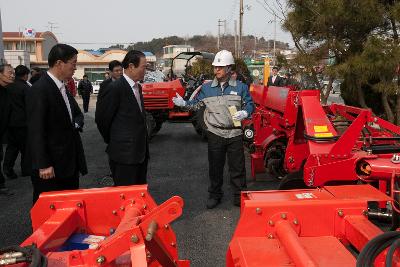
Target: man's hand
178	101
47	173
240	115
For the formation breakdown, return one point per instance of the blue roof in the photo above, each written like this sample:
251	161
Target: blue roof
95	52
148	54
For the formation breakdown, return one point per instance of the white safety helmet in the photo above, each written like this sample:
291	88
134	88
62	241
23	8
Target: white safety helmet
223	58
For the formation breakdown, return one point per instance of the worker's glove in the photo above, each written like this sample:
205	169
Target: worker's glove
240	115
178	101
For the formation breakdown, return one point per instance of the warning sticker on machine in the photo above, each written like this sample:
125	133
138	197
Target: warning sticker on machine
320	128
305	196
323	134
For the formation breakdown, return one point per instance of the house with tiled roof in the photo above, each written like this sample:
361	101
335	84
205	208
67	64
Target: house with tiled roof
30	51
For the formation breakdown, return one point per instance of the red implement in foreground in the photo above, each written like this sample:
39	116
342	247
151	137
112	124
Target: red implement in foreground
310	227
125	227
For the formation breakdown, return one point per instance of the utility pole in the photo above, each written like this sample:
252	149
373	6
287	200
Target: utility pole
51	25
220	24
240	29
2	58
274	38
236	40
255	46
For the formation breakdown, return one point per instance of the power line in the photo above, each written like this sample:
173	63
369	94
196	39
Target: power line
51	26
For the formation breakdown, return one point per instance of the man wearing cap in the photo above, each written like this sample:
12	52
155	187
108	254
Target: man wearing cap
227	102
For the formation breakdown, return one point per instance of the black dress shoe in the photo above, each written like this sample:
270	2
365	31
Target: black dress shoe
212	203
5	191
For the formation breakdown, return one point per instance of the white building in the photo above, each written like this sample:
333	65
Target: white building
171	51
95	63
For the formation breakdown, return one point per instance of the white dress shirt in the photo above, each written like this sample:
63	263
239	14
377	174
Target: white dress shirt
135	89
61	87
274	78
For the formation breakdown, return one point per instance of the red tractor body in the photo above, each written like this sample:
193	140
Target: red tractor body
293	133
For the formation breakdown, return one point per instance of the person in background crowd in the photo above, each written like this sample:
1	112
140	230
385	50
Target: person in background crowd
227	102
275	79
16	133
288	80
35	75
116	71
6	78
71	87
85	89
121	121
54	120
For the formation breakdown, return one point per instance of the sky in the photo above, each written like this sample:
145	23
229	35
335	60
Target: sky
93	24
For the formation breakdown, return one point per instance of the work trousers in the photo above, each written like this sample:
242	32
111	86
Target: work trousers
129	174
16	144
218	149
55	184
85	100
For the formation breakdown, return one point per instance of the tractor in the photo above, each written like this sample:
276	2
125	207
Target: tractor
158	96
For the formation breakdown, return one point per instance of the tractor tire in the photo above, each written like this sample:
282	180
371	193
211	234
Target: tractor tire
150	124
274	159
395	214
293	180
198	123
158	126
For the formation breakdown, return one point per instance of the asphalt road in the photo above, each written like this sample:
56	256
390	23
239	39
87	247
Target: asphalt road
178	166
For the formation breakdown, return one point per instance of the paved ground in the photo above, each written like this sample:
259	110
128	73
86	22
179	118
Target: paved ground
178	166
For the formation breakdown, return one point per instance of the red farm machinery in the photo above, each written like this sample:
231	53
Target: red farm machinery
295	137
346	157
119	226
158	96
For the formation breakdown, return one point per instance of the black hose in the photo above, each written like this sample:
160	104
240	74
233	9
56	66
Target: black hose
389	255
375	246
31	254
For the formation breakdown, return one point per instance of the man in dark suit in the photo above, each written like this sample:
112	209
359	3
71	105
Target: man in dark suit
115	68
6	78
275	79
121	121
35	75
85	89
116	71
53	117
16	133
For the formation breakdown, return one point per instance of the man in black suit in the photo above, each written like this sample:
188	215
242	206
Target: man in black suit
85	89
35	75
115	68
16	133
275	79
121	121
116	71
6	78
54	117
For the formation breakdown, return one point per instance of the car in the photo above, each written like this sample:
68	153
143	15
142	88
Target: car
96	86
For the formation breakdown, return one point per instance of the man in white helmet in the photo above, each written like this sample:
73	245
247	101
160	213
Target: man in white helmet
227	102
